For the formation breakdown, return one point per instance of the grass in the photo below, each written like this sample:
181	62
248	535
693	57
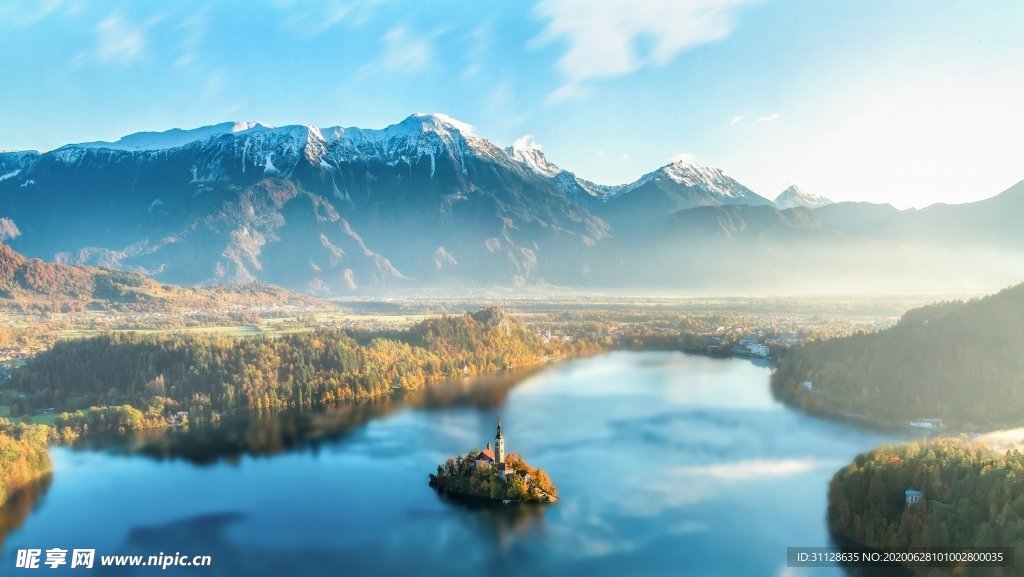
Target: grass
5	413
42	419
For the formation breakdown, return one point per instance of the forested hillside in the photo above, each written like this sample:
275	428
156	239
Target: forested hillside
23	456
956	361
973	497
31	284
164	374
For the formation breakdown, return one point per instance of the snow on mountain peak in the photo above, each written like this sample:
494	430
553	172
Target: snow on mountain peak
794	197
688	172
174	138
527	151
243	126
684	159
436	120
526	142
714	186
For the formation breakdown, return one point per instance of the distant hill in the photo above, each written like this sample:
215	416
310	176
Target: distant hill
33	284
796	197
988	223
955	361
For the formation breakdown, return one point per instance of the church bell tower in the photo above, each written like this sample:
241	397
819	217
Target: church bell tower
499	445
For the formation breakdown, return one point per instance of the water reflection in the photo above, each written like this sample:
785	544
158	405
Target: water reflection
21	504
266	434
502	524
666	464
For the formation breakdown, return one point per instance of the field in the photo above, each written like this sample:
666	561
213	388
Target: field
5	413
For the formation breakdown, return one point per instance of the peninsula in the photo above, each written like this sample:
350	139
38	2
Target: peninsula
491	474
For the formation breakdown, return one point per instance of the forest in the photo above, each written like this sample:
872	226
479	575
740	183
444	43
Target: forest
123	381
23	456
457	476
955	361
973	497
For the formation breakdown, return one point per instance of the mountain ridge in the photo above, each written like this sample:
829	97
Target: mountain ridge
422	202
27	283
794	197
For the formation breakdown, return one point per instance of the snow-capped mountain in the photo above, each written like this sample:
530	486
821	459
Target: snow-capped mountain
691	185
173	138
639	208
425	202
794	197
527	152
325	210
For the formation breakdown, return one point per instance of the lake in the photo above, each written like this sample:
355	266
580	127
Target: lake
666	464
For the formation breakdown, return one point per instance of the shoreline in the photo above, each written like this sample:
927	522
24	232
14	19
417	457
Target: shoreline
825	411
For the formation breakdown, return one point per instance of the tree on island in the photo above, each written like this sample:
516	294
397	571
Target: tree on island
518	482
490	474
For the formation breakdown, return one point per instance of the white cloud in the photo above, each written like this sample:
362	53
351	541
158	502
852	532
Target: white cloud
606	38
310	22
684	157
118	41
479	42
651	495
8	230
626	157
753	469
503	105
21	14
193	30
405	50
770	118
311	18
214	85
600	153
736	120
526	142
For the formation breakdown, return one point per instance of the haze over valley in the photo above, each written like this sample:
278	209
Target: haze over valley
545	288
427	204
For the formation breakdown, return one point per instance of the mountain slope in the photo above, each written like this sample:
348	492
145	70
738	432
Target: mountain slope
991	223
955	361
681	185
795	197
317	210
427	203
33	284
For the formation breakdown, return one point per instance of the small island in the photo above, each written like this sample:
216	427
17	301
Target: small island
490	474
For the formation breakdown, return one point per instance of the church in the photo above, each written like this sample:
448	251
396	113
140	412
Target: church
494	457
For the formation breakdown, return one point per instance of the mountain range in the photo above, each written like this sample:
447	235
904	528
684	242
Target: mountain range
428	204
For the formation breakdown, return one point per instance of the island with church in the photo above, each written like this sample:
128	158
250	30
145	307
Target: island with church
493	474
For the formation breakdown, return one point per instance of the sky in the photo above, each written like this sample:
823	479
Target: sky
909	102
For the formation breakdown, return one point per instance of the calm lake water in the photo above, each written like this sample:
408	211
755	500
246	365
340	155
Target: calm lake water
667	464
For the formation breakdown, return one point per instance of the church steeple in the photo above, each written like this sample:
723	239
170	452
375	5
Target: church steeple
499	444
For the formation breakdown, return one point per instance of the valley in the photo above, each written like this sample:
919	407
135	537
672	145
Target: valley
546	288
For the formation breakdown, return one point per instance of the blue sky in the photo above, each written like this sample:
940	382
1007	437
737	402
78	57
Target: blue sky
909	102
